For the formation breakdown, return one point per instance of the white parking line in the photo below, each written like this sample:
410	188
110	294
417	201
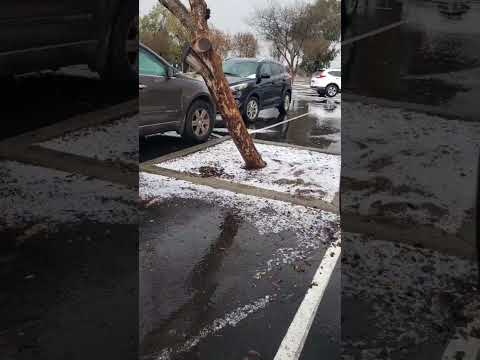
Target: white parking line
231	319
373	32
266	127
293	342
280	123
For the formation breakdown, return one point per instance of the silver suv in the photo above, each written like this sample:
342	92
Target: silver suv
172	101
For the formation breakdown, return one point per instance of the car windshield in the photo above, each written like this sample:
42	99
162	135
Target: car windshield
240	68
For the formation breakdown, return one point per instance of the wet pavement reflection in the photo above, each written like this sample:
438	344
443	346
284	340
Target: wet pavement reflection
434	51
193	276
427	67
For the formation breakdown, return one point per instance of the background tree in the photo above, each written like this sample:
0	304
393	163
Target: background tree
292	28
322	49
317	55
222	42
205	59
245	44
161	31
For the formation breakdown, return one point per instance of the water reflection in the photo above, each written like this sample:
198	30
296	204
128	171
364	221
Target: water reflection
202	283
436	39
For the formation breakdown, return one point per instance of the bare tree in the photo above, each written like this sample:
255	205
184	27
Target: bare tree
203	57
291	28
222	42
245	44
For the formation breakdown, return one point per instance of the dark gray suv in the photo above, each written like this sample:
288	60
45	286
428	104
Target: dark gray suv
258	84
171	101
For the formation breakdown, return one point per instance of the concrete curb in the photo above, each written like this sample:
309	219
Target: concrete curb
241	188
299	147
75	123
388	229
24	148
421	108
206	145
187	151
115	172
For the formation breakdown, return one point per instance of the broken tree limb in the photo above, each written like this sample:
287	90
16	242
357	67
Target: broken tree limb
181	12
205	60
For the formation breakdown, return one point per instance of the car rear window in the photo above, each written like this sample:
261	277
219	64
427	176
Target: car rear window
240	68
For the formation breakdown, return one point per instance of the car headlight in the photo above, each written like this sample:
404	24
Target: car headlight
239	87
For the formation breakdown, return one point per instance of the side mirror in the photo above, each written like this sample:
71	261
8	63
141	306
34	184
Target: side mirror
170	72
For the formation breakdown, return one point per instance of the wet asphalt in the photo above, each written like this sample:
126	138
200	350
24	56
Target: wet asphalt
67	290
198	263
192	275
430	60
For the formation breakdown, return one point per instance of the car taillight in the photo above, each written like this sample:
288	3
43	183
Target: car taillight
321	75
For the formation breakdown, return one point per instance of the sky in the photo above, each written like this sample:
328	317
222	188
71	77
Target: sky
227	15
231	16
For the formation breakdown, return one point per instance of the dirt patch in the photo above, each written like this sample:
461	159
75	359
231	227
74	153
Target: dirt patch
307	193
289	182
380	163
380	184
401	207
322	142
212	171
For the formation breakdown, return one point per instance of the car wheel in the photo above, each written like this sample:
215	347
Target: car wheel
285	105
199	122
252	110
331	90
123	57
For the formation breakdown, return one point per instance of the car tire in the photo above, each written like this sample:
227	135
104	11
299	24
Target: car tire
252	110
199	122
331	90
284	107
122	62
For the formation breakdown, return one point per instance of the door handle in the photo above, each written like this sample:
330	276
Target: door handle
141	86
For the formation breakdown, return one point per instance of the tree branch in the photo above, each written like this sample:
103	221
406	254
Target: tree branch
180	11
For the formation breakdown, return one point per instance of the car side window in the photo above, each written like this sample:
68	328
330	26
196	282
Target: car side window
276	70
265	69
150	66
335	73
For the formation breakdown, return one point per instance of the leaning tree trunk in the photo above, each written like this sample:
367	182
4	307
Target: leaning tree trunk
205	60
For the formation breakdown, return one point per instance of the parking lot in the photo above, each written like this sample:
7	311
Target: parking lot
234	269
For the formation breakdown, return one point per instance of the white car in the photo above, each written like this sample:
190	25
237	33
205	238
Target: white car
327	82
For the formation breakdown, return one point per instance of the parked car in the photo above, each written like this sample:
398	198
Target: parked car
54	34
172	101
258	84
327	82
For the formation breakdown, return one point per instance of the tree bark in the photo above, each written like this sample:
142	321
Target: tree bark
203	58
